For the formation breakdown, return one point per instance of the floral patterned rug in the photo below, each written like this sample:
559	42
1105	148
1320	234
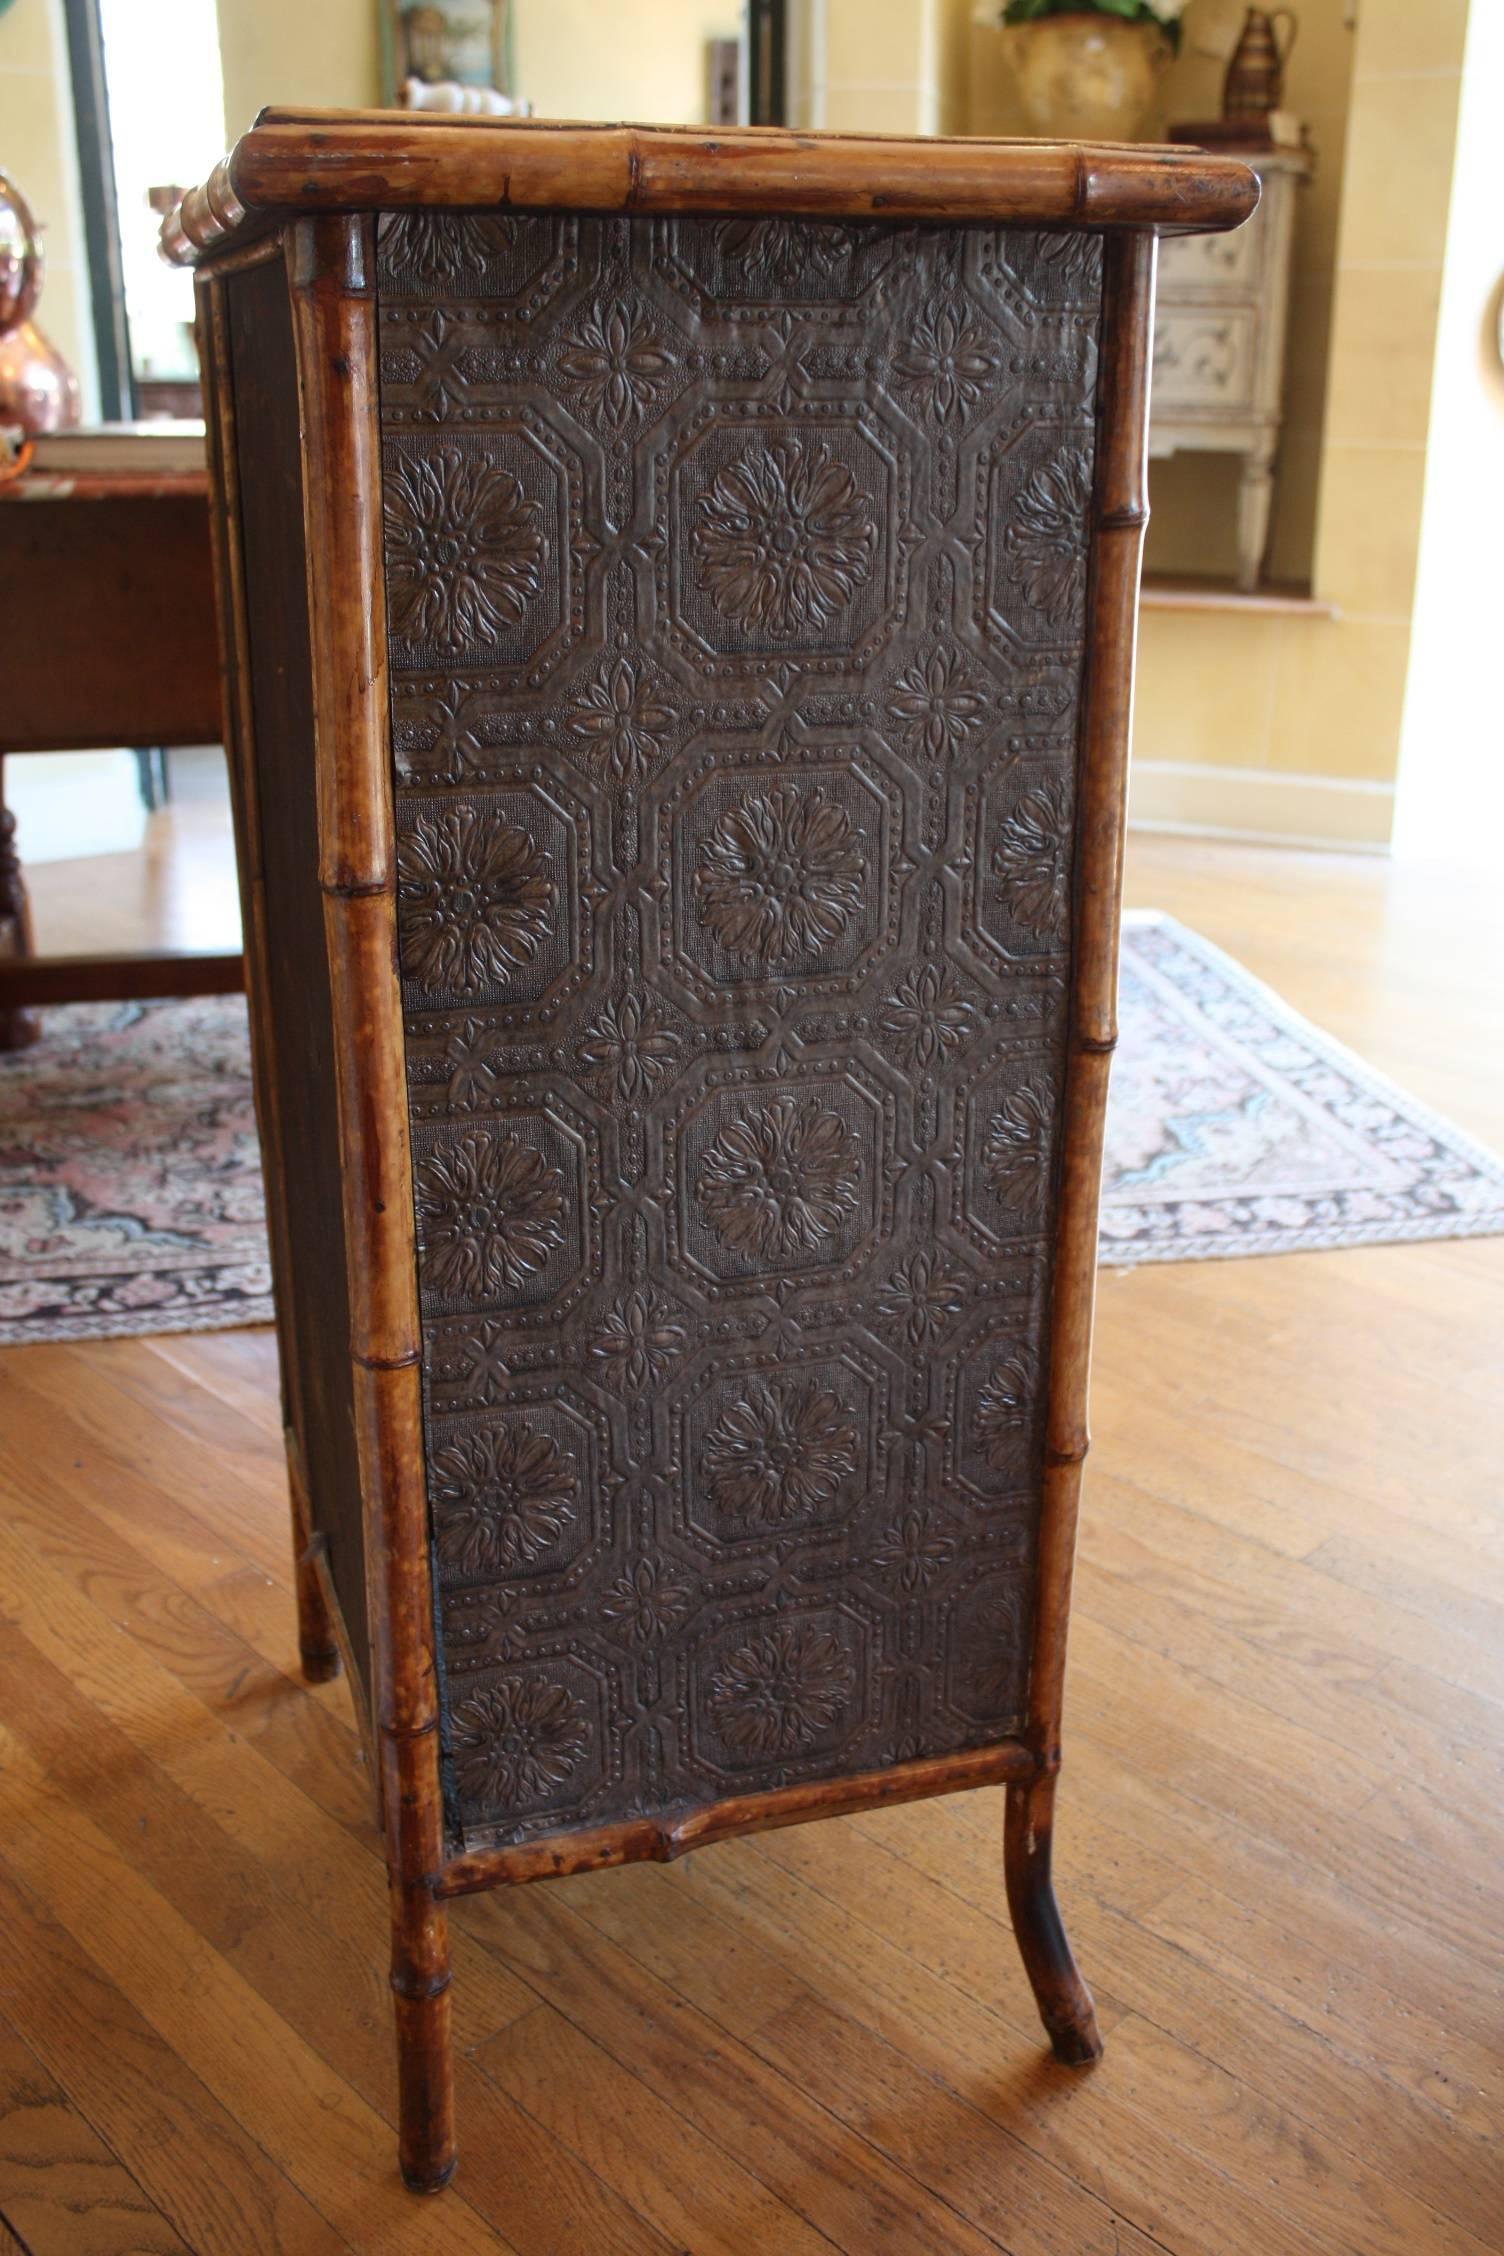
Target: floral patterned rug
130	1194
130	1182
1236	1127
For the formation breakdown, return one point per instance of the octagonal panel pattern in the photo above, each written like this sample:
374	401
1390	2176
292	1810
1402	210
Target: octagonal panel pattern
736	575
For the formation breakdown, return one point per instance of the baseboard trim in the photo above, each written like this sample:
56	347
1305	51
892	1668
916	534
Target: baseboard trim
1261	806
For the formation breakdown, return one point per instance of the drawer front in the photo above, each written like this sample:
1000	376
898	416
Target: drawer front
1199	266
1204	360
736	576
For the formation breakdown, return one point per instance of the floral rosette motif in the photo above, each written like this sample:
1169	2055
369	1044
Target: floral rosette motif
1044	549
946	362
784	538
779	254
615	364
464	549
1016	1153
515	1742
474	899
781	1181
501	1498
780	1454
1029	859
780	876
1005	1402
775	1694
490	1212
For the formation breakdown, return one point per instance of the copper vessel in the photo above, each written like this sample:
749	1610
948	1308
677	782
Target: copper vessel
38	390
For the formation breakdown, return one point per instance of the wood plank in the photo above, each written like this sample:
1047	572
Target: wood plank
335	2148
696	2193
310	1939
221	1832
202	2168
1350	2004
1423	1968
1309	2069
618	1996
62	2192
987	2053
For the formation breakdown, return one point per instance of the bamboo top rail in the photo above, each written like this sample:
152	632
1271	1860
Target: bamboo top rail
363	160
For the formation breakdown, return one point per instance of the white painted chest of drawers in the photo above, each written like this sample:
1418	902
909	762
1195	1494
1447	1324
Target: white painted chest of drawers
1219	345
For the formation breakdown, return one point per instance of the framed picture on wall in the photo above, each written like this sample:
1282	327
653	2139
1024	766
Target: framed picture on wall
469	41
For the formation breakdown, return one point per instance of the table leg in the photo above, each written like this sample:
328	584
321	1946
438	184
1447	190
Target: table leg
1255	494
18	1028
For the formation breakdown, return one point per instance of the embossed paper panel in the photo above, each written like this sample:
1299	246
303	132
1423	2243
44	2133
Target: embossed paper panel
736	576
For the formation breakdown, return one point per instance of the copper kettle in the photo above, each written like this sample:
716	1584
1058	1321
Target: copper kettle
1255	81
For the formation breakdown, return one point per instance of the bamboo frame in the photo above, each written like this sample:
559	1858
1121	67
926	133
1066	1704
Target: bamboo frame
334	328
663	1839
329	256
360	160
1122	515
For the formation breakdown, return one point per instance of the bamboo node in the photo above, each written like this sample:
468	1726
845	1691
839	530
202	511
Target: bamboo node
402	1734
355	889
403	1362
418	1988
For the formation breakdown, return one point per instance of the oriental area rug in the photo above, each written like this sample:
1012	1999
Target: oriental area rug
130	1189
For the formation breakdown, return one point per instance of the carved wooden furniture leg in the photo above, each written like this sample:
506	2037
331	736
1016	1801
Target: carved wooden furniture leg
18	1028
680	664
1064	2001
1255	501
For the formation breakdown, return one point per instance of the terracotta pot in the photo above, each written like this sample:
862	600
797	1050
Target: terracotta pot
1087	76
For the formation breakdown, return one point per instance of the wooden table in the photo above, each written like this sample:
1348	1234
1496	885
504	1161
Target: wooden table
106	590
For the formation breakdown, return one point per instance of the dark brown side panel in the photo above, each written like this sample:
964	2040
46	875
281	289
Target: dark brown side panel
736	575
313	1296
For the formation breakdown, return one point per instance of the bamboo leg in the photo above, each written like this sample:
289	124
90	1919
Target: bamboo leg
318	1647
1063	1999
425	2064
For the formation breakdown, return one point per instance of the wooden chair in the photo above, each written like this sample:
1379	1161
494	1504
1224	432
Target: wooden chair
680	600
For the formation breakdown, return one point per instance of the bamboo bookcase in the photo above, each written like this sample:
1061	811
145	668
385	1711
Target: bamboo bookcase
679	597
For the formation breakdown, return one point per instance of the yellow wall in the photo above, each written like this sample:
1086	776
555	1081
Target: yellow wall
646	60
574	58
1289	727
1451	779
39	152
326	53
891	66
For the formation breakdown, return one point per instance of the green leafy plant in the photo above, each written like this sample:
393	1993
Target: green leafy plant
1164	15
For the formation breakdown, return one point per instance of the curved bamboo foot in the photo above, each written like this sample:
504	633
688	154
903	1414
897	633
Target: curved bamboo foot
1063	1999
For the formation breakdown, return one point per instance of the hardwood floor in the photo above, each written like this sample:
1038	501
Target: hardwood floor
1281	1839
